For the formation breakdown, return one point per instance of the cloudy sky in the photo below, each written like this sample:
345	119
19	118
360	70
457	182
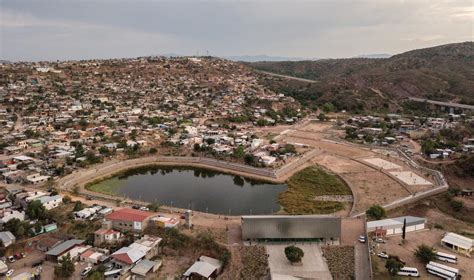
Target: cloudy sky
54	29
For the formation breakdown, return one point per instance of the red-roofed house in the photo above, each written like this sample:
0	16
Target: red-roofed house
128	219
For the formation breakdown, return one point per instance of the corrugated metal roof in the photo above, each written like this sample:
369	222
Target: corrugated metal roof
59	249
291	227
458	240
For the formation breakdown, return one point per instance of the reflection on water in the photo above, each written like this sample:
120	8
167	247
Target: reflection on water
198	189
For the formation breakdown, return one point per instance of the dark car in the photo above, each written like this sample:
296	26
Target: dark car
17	256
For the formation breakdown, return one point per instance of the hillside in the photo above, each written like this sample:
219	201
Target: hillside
442	73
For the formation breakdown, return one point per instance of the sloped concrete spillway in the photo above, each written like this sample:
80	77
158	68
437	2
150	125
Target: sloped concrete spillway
197	189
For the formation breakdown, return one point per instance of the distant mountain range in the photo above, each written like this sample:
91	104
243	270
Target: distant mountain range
256	58
376	55
442	73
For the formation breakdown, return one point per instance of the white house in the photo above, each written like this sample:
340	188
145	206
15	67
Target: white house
51	202
458	243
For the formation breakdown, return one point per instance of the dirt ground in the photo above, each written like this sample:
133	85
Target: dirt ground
406	252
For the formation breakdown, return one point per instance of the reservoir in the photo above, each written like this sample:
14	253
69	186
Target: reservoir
195	188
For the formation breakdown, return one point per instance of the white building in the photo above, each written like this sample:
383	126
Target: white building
395	225
51	202
458	243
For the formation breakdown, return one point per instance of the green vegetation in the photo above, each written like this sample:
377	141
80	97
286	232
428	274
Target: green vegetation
36	210
376	212
393	266
294	254
425	253
308	183
65	269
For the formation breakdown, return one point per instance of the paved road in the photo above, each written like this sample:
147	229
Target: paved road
288	77
362	264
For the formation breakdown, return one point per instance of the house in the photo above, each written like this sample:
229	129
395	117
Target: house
3	267
165	222
126	257
395	225
144	267
204	268
75	252
11	214
62	248
458	243
7	238
128	219
51	202
94	256
104	235
148	244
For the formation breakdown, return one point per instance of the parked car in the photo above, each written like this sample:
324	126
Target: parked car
11	259
362	239
89	197
379	240
383	255
23	254
9	273
86	271
18	256
144	208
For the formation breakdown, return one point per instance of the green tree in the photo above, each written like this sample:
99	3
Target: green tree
65	268
425	253
294	254
153	150
376	212
249	159
78	206
66	199
36	210
322	117
261	122
456	205
155	206
239	152
328	107
393	266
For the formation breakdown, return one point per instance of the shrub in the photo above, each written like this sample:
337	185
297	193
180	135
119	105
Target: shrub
425	253
456	205
294	254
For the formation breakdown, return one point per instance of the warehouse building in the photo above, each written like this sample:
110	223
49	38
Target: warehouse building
395	225
284	228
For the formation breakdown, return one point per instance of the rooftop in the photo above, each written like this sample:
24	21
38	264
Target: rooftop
130	215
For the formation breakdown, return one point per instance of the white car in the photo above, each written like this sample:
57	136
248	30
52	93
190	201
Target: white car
11	259
10	273
383	255
144	208
379	240
86	271
362	239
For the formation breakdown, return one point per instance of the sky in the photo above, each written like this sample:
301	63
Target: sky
68	29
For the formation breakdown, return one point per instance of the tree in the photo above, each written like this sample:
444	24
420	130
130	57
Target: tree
155	206
197	147
322	117
404	228
456	205
66	267
66	199
78	206
36	210
393	266
376	212
294	254
249	159
425	253
239	152
261	122
210	141
328	107
153	150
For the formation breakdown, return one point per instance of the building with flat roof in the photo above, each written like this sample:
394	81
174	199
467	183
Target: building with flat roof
458	243
395	225
60	249
315	228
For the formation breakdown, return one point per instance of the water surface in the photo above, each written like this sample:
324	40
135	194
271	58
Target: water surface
197	189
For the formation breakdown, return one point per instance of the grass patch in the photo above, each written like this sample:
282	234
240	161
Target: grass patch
108	186
303	186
